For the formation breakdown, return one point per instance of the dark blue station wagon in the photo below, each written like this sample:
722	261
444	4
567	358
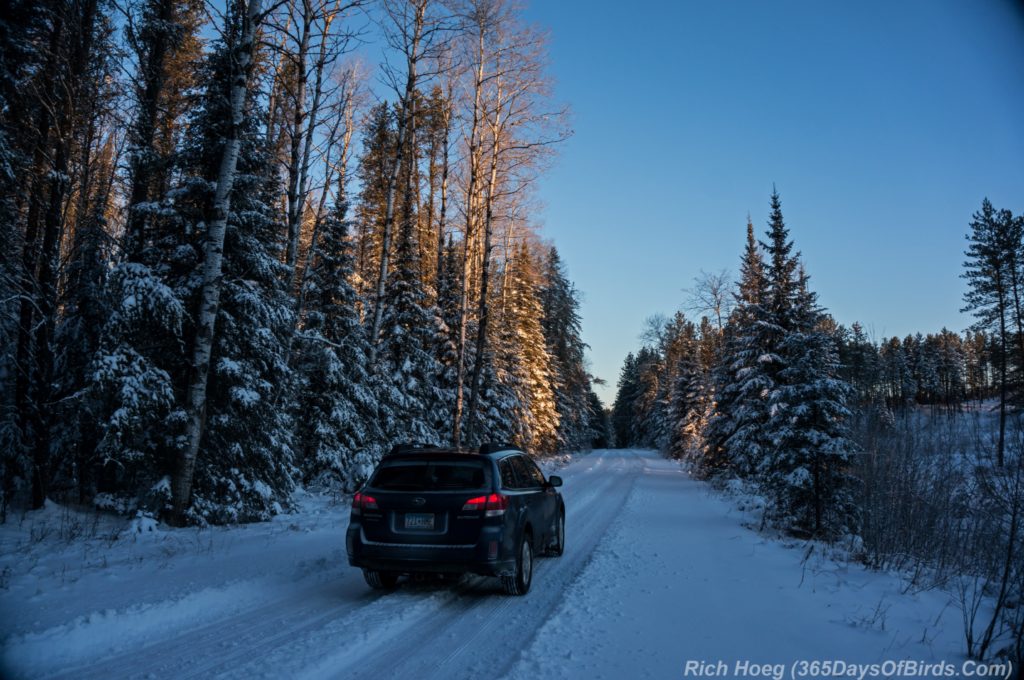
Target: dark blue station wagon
442	511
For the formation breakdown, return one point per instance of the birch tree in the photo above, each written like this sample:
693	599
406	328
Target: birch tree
242	46
518	131
411	29
314	34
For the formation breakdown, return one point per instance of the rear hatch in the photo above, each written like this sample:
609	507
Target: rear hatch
424	500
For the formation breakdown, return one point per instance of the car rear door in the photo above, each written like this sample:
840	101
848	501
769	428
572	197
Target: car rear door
533	497
549	496
512	488
425	502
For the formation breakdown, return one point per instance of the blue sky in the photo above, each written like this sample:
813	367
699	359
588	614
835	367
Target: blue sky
883	125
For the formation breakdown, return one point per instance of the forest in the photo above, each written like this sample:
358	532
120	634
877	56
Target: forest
239	260
909	452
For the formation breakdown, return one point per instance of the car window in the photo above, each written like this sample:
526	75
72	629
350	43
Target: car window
535	473
508	474
430	476
519	463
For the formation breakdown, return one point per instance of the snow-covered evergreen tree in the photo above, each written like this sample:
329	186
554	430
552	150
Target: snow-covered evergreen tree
807	473
245	467
446	341
562	332
410	330
85	312
688	407
648	405
623	410
522	359
740	384
336	417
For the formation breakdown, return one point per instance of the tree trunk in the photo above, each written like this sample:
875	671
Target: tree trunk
213	250
442	214
295	199
483	311
407	103
25	356
41	366
471	189
1001	445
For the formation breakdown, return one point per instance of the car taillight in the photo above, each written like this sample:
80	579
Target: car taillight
496	505
362	501
475	504
493	505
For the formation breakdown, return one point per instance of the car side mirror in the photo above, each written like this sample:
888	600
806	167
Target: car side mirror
554	480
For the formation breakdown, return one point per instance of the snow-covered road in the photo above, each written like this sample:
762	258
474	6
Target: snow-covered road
656	573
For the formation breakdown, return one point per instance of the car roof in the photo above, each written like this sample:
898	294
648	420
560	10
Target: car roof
427	450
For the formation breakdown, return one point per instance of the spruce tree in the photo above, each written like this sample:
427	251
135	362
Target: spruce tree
244	470
648	414
562	333
740	382
523	361
689	404
336	416
623	410
446	340
409	333
807	473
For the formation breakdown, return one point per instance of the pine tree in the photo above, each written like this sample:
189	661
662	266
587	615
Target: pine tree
600	424
562	333
446	341
740	383
243	466
336	415
523	361
244	469
372	169
860	363
409	332
689	403
163	36
648	414
623	410
807	472
994	251
85	311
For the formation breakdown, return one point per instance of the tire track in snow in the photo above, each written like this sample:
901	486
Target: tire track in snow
357	627
485	629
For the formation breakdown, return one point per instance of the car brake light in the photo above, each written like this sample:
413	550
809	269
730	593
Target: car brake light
475	504
496	505
362	501
493	505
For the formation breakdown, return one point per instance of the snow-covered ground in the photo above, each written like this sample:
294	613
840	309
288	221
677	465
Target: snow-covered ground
658	573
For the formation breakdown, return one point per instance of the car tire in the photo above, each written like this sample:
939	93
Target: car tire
380	580
518	583
557	546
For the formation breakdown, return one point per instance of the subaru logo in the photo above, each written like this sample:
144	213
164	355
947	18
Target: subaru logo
419	500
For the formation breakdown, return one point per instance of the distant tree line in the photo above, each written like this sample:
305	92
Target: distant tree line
226	271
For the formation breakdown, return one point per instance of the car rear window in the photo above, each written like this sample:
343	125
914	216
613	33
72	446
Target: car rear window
430	476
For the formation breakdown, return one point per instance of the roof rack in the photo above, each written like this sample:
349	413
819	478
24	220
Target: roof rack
411	447
494	447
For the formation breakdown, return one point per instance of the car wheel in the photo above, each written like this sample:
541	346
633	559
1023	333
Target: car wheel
518	583
380	580
557	546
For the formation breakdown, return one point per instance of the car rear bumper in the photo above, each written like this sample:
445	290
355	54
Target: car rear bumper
414	558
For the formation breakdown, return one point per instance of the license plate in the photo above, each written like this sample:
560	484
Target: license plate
419	520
